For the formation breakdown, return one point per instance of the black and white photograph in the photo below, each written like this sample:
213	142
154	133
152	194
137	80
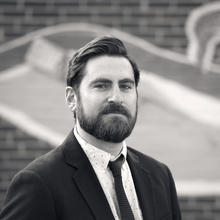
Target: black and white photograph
109	110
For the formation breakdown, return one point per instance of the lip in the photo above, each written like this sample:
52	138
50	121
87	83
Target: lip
115	114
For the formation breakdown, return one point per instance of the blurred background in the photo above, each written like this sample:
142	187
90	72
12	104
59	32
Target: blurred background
176	44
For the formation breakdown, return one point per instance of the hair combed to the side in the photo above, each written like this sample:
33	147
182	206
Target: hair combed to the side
100	46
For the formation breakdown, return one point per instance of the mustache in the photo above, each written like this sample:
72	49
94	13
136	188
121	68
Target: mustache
115	108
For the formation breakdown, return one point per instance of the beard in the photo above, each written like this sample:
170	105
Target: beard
106	125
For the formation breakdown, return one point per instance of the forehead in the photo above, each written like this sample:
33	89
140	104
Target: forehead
110	67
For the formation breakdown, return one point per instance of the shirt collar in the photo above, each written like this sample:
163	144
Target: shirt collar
97	157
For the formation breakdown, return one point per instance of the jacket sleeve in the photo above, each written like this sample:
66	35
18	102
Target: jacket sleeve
28	197
176	214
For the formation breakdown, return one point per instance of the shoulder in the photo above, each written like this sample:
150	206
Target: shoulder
40	174
48	160
54	160
146	159
161	181
155	167
29	194
43	168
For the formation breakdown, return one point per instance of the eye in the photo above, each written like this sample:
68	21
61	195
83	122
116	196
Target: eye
101	86
126	86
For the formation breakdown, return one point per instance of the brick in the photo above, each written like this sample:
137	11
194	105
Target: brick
192	4
199	207
98	10
97	4
33	23
2	36
6	2
44	13
205	200
8	22
5	123
35	3
15	164
65	4
2	195
13	12
12	34
159	4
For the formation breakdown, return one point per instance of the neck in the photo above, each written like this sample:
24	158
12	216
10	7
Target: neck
112	148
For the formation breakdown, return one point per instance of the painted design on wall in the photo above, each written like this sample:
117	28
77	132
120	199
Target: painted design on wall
203	32
177	100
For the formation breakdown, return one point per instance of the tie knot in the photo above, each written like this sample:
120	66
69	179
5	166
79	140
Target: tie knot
115	166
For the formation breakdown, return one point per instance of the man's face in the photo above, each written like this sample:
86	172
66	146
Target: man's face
107	99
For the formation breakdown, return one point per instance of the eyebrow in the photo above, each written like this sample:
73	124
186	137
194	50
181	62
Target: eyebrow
108	81
101	80
127	80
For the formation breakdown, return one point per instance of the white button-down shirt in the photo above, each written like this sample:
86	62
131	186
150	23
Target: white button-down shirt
99	160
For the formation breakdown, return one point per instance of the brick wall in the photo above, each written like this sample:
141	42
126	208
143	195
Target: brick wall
200	207
161	22
17	149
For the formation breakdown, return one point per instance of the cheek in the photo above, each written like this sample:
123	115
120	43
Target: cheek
132	99
90	105
132	104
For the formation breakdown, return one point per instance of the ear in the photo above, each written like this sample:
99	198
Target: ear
71	98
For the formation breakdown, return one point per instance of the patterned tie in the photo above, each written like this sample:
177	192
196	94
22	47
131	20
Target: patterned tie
124	206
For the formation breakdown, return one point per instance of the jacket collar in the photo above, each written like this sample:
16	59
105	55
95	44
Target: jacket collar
143	185
85	179
90	188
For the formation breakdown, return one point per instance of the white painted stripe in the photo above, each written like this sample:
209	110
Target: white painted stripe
210	53
197	188
98	30
198	106
30	126
36	129
148	47
190	27
14	72
215	68
21	120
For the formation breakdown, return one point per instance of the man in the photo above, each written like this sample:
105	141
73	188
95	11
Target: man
93	174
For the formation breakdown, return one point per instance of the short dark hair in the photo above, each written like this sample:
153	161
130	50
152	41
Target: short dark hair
104	45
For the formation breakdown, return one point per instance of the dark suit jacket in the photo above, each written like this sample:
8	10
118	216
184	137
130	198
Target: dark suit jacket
62	185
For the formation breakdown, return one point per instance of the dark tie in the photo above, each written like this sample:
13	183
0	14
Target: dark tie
124	206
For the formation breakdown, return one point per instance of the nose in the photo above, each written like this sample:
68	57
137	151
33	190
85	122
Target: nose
115	95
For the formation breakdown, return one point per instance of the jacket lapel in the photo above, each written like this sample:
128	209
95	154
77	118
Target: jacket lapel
143	186
86	179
